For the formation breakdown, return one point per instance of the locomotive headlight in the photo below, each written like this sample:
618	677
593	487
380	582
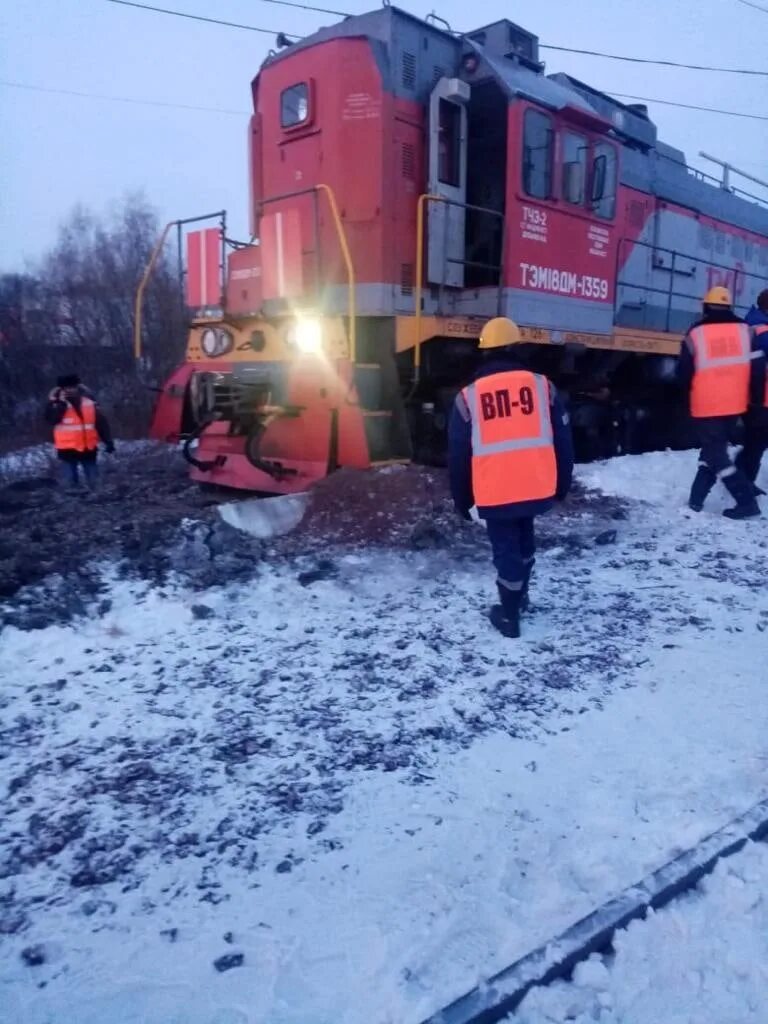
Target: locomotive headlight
306	335
216	342
209	342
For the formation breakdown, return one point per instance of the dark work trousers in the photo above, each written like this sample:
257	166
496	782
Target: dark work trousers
755	443
513	543
70	464
715	463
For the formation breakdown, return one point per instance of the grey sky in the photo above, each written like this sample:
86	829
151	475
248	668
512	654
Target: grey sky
59	149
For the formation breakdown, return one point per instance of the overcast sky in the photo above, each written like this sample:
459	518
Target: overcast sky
57	150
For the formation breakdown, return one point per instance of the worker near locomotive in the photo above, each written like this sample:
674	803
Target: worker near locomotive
78	426
723	370
756	421
510	454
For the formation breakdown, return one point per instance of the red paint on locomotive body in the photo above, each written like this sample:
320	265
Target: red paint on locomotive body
341	140
555	245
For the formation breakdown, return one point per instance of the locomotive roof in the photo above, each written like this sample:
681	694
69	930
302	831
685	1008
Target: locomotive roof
648	163
519	81
388	25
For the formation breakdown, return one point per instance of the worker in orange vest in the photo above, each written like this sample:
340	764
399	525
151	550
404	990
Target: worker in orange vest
510	453
756	421
78	426
717	368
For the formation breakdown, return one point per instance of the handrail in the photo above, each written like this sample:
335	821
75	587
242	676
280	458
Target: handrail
423	199
342	236
686	256
670	291
139	301
343	245
138	305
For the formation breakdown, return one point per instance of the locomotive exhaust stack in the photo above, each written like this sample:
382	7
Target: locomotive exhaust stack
407	185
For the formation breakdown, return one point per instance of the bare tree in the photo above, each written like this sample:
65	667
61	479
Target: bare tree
76	314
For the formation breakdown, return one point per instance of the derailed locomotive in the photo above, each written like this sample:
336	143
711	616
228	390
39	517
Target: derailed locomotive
406	184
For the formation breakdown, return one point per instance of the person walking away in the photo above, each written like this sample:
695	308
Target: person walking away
510	453
78	426
756	421
716	368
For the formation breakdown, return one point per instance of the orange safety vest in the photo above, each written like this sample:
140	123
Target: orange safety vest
763	329
77	433
513	452
721	358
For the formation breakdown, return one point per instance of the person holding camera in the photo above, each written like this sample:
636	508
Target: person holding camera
78	427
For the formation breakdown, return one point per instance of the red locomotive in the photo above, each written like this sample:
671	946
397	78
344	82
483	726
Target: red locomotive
407	183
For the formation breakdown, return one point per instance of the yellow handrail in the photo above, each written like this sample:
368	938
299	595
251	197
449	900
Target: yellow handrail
139	302
343	243
422	201
342	236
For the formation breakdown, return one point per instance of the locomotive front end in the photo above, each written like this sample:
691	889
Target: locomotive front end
266	405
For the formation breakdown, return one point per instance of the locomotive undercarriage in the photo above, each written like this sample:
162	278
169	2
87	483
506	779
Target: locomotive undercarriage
619	402
247	399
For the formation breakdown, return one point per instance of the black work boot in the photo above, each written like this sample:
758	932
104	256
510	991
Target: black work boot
747	510
702	484
506	616
742	491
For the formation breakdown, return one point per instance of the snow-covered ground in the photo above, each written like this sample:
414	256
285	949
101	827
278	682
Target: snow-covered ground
33	460
661	478
702	960
41	458
352	790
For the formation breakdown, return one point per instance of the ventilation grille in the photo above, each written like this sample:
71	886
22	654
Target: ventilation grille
706	237
409	70
437	74
636	213
406	279
409	161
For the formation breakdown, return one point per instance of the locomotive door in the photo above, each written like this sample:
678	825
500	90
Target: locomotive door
447	178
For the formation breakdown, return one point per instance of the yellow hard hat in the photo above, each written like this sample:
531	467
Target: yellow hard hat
499	332
718	296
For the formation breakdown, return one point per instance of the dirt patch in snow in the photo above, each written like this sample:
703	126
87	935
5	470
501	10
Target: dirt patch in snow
147	519
410	507
146	516
382	507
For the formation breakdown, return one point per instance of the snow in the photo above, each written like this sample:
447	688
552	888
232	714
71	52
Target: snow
662	478
702	960
40	458
266	517
36	458
360	787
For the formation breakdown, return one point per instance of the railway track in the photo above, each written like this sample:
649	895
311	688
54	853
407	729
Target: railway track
498	997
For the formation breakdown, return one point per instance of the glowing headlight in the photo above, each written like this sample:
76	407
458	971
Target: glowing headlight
306	336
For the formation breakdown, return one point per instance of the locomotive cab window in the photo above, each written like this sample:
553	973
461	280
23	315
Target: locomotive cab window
294	105
537	154
603	184
574	169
